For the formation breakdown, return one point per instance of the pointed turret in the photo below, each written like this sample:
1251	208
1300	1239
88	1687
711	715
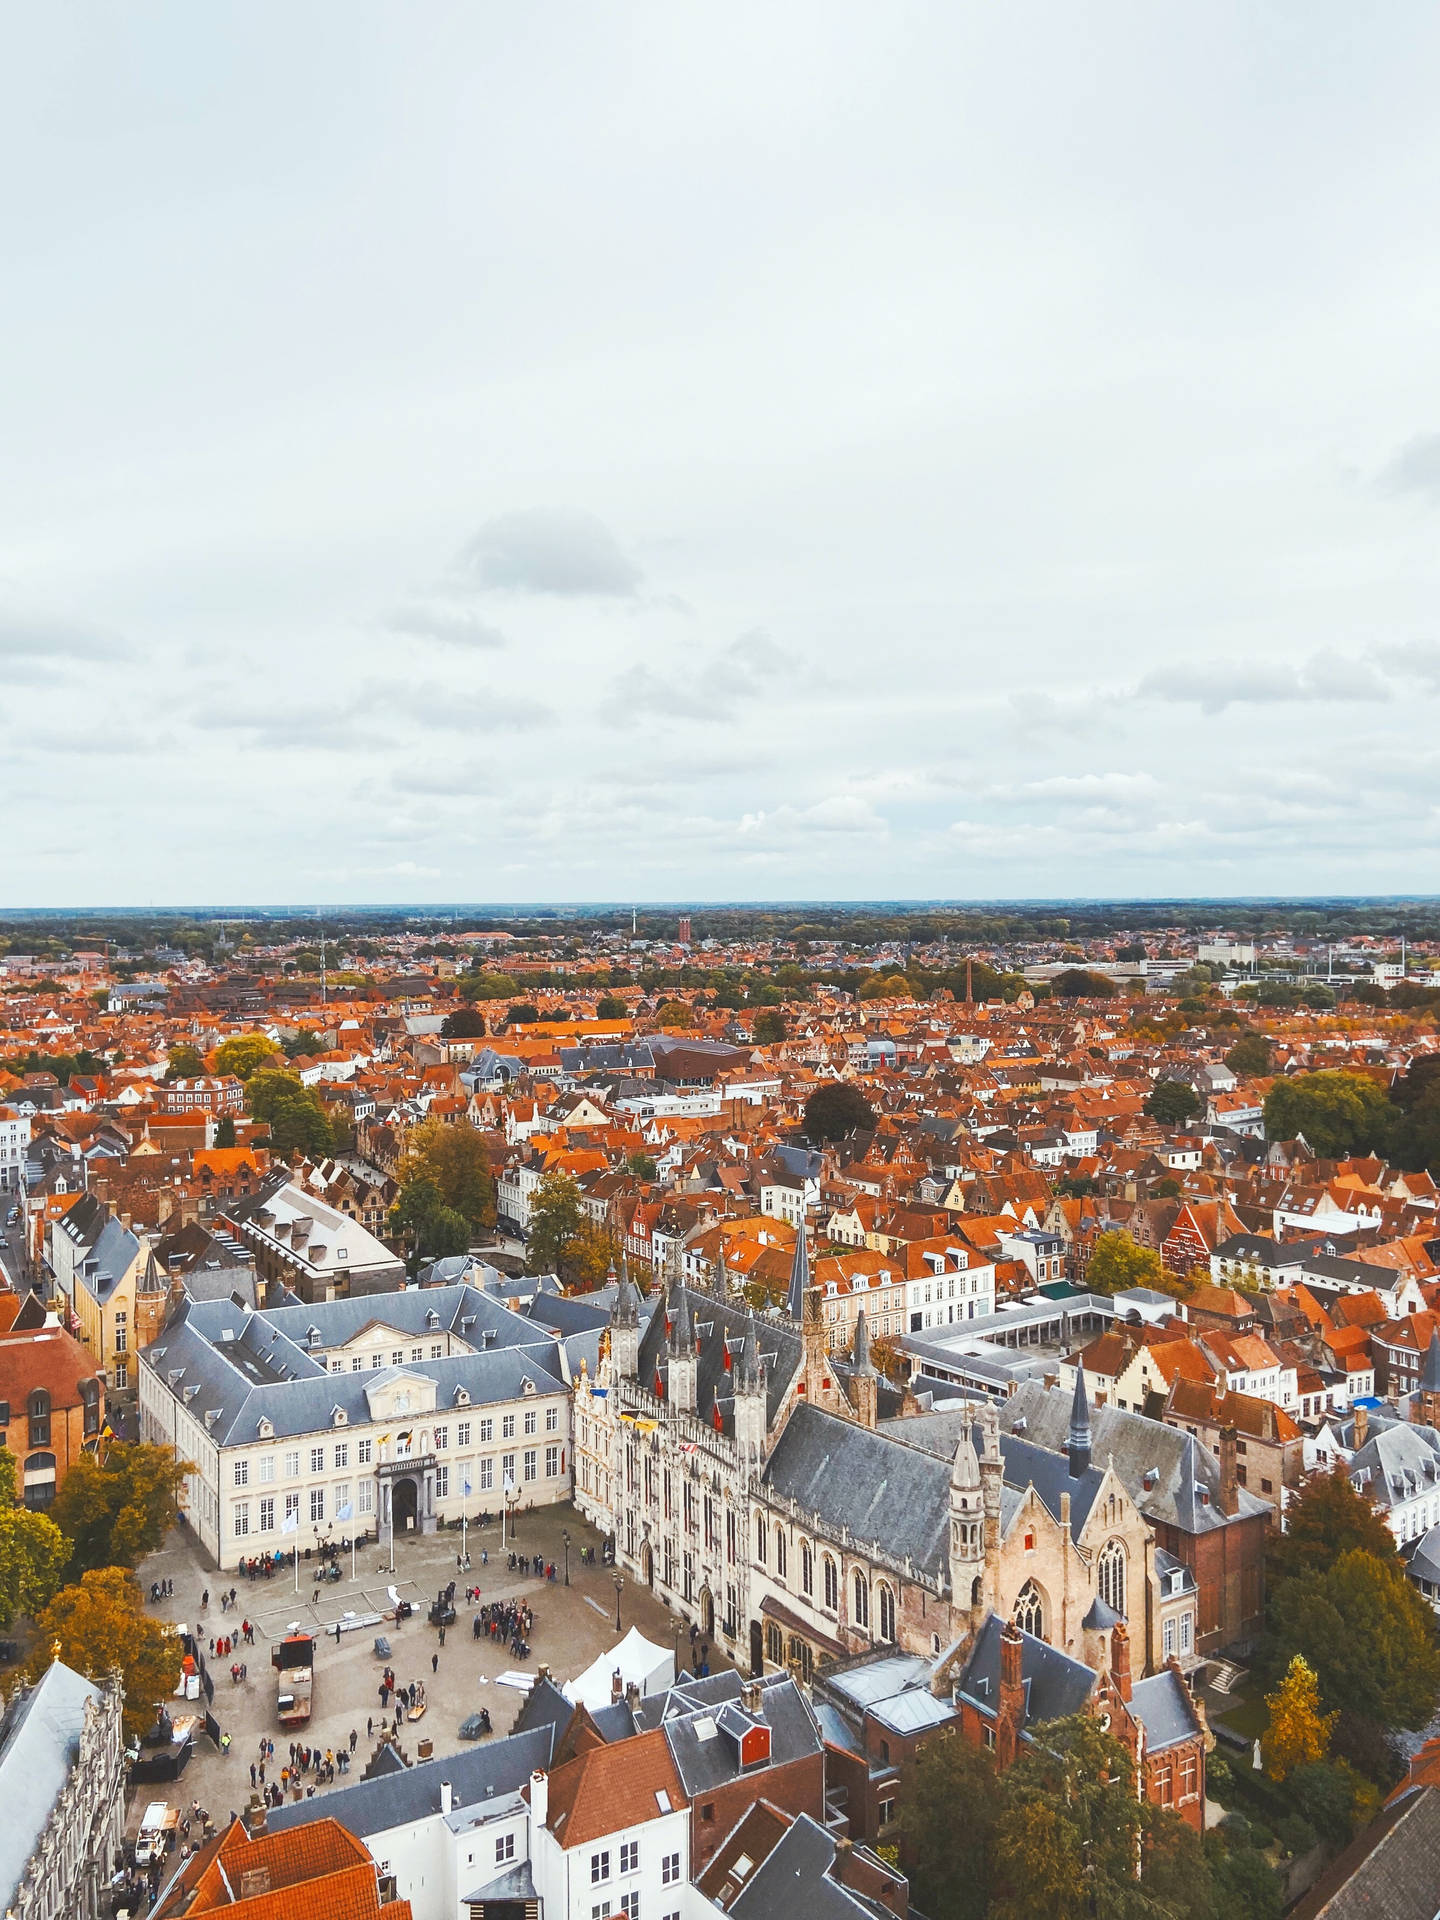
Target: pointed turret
1079	1447
683	1370
864	1380
860	1354
625	1326
682	1326
719	1278
751	1417
967	1525
799	1278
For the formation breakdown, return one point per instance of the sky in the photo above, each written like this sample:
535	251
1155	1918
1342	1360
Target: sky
778	451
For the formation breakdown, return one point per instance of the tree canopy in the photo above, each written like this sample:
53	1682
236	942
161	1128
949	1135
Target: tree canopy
100	1624
1117	1263
1298	1733
1080	983
184	1062
245	1054
1339	1113
1327	1516
555	1220
674	1013
1249	1055
291	1111
465	1023
456	1159
610	1007
770	1026
1367	1634
837	1109
117	1513
1172	1103
33	1551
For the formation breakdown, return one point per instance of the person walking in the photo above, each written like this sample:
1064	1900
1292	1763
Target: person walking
434	1663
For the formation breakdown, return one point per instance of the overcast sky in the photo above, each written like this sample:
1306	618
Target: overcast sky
558	452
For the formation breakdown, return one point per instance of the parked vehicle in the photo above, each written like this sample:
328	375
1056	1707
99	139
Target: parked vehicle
157	1833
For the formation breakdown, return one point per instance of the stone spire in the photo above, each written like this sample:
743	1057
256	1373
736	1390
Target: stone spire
799	1277
751	1414
683	1370
719	1278
860	1356
625	1326
1079	1447
864	1380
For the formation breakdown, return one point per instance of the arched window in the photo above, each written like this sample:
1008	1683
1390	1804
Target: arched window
1030	1610
760	1538
774	1645
832	1583
862	1599
780	1553
807	1567
1111	1574
887	1612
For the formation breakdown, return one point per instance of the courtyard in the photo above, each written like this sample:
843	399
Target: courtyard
573	1626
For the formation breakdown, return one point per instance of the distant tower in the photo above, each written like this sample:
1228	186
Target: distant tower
684	935
1079	1445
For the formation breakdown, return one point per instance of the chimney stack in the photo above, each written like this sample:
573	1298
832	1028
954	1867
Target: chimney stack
539	1798
1229	1475
1010	1707
447	1796
617	1688
1362	1426
1120	1659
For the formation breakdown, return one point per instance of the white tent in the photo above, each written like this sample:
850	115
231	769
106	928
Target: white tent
641	1664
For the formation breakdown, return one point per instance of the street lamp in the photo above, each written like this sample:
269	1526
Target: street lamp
565	1536
619	1589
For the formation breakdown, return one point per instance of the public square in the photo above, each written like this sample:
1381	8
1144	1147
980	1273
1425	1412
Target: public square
573	1626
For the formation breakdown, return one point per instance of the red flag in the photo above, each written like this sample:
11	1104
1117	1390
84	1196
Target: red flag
729	1363
718	1417
659	1385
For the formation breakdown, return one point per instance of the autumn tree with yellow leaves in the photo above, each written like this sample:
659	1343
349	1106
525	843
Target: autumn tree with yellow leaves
1298	1733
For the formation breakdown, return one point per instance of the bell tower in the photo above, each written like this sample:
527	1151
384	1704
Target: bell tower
967	1528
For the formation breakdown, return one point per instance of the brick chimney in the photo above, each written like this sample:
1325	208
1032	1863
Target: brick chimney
1010	1709
1362	1426
1229	1478
1120	1659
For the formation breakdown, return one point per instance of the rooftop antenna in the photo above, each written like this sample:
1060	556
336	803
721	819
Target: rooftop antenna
633	927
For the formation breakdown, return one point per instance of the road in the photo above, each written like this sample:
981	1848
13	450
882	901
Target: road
12	1240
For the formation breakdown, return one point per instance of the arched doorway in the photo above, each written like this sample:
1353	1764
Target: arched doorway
707	1613
757	1648
647	1564
404	1505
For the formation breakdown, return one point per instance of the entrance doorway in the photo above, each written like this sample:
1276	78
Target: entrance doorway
707	1613
757	1649
647	1564
404	1505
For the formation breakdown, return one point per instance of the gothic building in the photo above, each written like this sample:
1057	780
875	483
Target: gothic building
62	1775
749	1482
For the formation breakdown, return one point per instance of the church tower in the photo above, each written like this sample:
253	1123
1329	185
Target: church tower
1079	1446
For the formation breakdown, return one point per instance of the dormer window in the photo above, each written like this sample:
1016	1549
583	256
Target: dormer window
265	1430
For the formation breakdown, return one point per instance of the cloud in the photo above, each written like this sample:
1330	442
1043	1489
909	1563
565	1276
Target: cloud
1415	468
841	813
747	668
1220	684
550	550
455	626
1413	660
31	644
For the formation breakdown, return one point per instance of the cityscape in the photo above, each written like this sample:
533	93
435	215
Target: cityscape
719	962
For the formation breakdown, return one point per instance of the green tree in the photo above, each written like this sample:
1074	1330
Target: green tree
674	1013
225	1130
245	1054
524	1014
117	1513
305	1041
1172	1103
465	1023
184	1062
948	1814
457	1160
837	1109
33	1550
610	1007
556	1216
770	1027
642	1165
425	1226
1368	1635
488	986
887	986
291	1111
1327	1516
1339	1113
1249	1055
1079	983
1116	1264
101	1624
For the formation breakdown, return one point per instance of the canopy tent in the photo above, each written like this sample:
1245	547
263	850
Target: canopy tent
641	1664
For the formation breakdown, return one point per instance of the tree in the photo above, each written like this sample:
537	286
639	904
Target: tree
33	1551
425	1226
1172	1103
887	986
1249	1055
1116	1264
555	1219
185	1062
456	1159
588	1257
770	1027
524	1014
101	1625
1328	1516
1079	983
609	1007
465	1023
1298	1734
305	1041
488	986
245	1054
1368	1635
117	1513
837	1109
1339	1113
949	1814
642	1165
225	1130
674	1013
292	1112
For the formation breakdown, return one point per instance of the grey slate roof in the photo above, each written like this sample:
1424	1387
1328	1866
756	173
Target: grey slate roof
1162	1706
39	1740
794	1880
1391	1872
396	1799
704	1741
1184	1469
717	1323
1398	1464
896	1496
1055	1685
